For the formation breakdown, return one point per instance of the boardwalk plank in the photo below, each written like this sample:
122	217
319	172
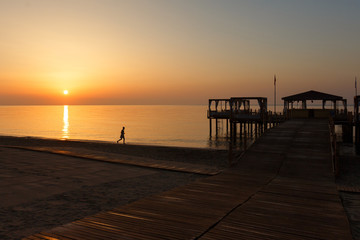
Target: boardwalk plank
118	232
51	236
34	237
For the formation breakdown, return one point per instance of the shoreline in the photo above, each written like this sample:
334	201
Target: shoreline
84	141
104	142
181	154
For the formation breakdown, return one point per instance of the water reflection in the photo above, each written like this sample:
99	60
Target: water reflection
65	130
222	142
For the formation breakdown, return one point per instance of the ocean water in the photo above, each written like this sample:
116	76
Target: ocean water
183	126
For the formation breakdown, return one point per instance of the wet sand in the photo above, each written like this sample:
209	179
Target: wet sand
42	190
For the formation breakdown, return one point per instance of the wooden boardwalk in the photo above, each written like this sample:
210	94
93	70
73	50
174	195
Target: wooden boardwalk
282	188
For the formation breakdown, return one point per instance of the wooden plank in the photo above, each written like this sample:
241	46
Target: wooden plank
299	228
34	237
50	235
108	231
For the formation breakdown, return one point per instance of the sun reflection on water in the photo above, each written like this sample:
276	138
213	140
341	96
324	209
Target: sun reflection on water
65	130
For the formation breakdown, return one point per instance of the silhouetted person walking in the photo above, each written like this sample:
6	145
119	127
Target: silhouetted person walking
122	136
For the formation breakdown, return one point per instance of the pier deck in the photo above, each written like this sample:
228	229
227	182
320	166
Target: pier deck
282	188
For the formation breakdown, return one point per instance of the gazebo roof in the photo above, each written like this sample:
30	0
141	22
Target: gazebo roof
311	95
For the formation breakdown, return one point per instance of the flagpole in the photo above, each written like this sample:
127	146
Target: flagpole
355	87
355	104
275	94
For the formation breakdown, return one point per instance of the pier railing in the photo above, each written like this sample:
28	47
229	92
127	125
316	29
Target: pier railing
245	118
223	114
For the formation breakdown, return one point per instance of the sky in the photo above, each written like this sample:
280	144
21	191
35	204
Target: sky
175	52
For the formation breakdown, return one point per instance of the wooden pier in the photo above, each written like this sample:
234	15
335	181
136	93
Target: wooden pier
242	118
218	110
282	188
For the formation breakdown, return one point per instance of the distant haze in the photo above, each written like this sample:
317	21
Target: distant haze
175	52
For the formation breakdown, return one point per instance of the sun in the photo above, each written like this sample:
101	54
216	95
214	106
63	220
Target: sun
66	92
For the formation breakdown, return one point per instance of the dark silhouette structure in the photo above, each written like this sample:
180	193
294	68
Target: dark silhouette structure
356	108
304	112
238	111
357	119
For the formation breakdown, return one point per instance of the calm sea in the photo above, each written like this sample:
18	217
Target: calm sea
184	126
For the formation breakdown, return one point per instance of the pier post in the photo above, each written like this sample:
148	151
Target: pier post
227	126
231	132
230	152
245	138
235	132
241	130
251	127
256	129
210	127
216	126
357	133
347	130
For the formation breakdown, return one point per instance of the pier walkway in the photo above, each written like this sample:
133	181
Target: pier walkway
282	188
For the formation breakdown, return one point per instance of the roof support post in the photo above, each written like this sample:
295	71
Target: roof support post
345	106
304	104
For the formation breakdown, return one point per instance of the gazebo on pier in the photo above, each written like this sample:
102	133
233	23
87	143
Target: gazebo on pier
238	110
304	112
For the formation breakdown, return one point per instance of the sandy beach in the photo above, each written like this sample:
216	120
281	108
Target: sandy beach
42	190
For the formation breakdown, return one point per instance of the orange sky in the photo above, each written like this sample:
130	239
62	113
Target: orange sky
175	52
